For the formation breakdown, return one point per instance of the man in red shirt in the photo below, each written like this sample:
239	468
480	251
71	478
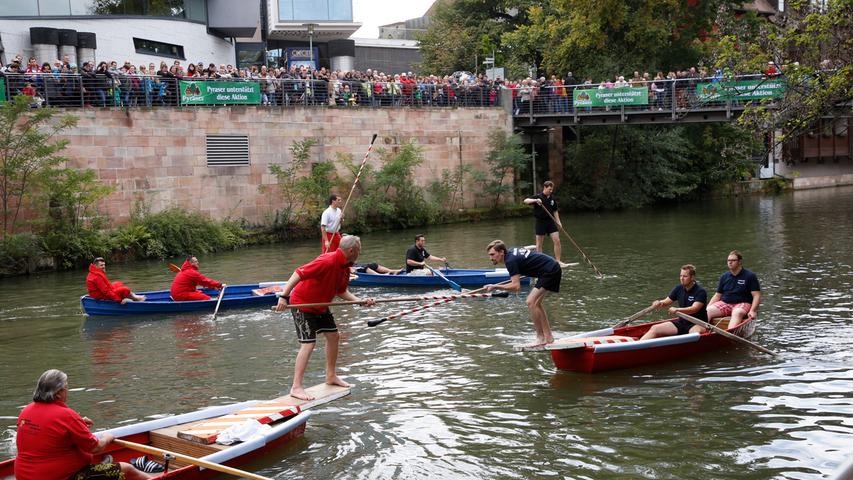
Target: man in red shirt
54	442
100	287
186	281
320	281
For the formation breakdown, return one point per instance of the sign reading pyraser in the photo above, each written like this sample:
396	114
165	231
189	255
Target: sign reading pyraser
606	97
220	93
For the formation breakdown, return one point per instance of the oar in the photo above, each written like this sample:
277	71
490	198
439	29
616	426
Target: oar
472	293
191	460
642	313
218	301
585	256
174	268
722	332
450	282
355	182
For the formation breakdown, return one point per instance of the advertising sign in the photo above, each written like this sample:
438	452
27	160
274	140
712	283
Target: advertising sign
199	92
607	97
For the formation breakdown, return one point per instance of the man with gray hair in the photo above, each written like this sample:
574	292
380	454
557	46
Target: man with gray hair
54	441
320	281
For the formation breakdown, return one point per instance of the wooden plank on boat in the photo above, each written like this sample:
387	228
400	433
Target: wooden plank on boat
582	342
322	393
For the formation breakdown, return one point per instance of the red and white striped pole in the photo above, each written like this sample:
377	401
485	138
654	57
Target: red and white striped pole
358	175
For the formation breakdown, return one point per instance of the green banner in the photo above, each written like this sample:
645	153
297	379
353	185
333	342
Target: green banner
742	90
2	89
200	92
607	97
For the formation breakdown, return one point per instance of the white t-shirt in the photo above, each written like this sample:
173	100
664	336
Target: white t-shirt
331	219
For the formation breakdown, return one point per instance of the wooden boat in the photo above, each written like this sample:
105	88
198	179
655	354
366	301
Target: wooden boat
610	349
236	296
463	277
193	434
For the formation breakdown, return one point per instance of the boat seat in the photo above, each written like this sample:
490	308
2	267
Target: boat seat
721	322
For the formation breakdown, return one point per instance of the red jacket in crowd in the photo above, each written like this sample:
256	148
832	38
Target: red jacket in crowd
184	286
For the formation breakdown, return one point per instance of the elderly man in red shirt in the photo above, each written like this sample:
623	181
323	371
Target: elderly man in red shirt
320	281
100	287
188	279
54	442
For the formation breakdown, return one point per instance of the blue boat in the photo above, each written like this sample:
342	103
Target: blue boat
469	278
236	296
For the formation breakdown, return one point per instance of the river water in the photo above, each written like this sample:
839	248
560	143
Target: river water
443	395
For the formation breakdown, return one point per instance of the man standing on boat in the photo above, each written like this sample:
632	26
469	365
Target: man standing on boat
691	298
320	281
330	225
523	262
738	293
416	256
188	279
543	204
100	287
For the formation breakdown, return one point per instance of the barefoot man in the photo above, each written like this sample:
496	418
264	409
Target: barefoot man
320	281
521	261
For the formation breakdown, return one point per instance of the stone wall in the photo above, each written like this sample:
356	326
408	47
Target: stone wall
159	155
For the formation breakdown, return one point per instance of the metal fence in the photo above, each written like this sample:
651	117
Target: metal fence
119	90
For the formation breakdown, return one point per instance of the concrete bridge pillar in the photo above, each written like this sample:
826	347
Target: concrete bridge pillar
555	155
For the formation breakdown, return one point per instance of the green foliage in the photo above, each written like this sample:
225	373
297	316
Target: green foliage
71	249
506	161
315	189
71	197
180	232
17	252
447	191
288	181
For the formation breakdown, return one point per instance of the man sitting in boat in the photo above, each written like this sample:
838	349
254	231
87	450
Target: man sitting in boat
100	287
188	279
416	257
691	298
738	293
54	441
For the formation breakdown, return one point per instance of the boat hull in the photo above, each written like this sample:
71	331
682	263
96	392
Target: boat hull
463	277
598	358
236	296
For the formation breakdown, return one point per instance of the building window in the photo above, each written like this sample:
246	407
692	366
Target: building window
301	10
152	47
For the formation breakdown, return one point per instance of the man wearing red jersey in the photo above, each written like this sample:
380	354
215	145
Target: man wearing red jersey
100	287
188	279
320	281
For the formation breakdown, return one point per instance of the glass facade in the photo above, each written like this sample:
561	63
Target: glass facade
189	9
317	10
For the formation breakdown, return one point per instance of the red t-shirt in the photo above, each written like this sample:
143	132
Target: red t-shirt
53	442
321	280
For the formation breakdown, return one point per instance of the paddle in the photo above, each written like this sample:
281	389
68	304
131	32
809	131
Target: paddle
642	313
585	256
191	460
448	298
218	301
174	268
355	182
472	293
722	332
450	282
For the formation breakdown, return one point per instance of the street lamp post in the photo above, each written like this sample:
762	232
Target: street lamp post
311	42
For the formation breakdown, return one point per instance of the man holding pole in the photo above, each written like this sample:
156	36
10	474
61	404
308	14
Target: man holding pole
319	281
330	225
547	216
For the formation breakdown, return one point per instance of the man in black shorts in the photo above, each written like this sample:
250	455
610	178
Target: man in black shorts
520	261
544	203
374	267
692	299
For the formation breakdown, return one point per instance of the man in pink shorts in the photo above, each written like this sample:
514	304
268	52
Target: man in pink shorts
738	293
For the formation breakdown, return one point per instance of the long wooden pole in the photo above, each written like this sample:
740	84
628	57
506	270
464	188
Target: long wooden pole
355	182
218	301
191	460
585	256
722	332
642	313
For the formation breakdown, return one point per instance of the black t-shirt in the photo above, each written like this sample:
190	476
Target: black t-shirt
738	288
529	263
548	202
686	298
416	254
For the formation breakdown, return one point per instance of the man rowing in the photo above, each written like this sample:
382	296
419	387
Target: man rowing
529	263
738	293
691	298
320	281
417	256
186	282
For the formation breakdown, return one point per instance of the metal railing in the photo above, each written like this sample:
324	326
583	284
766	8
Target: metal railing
120	90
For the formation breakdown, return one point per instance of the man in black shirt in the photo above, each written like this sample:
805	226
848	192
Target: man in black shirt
417	255
692	299
522	262
543	204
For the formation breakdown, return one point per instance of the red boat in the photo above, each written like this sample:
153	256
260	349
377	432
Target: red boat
194	434
610	349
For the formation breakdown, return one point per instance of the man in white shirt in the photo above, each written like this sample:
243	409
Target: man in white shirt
330	225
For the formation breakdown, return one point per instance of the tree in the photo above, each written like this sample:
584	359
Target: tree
29	154
507	160
812	42
289	177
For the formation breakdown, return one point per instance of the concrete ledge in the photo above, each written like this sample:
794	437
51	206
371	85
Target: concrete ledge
823	181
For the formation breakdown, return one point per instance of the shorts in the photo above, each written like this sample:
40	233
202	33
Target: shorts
550	281
362	267
727	308
682	325
545	226
308	325
420	272
100	471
